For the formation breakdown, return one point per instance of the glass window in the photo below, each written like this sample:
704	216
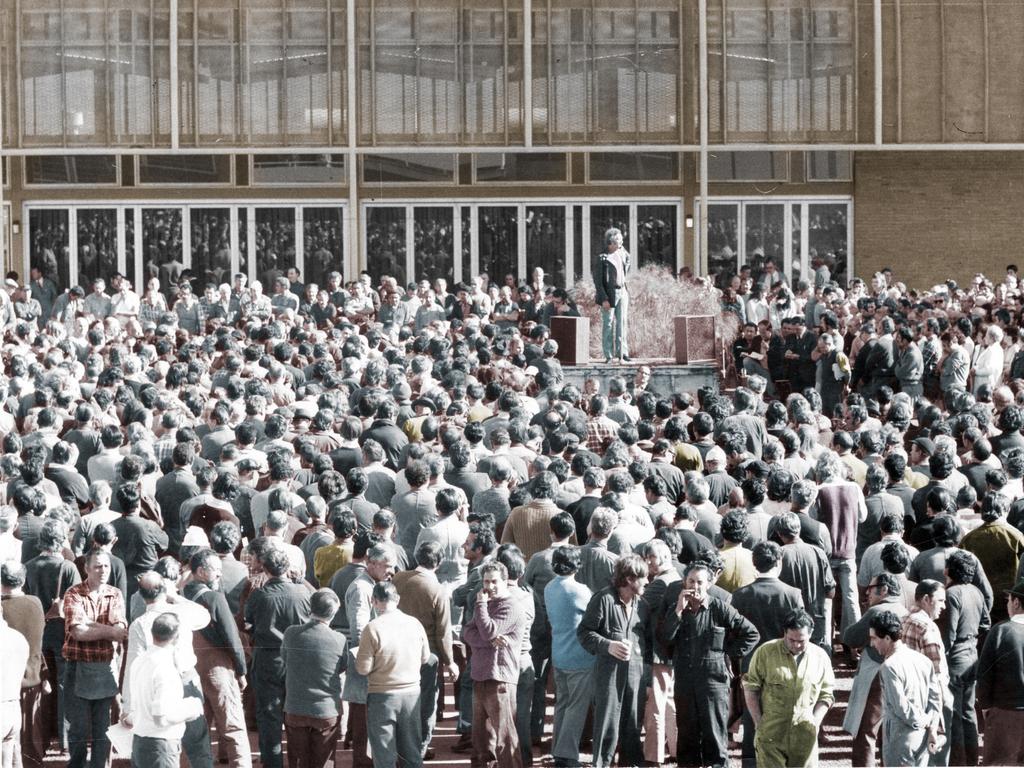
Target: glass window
129	247
97	245
633	166
299	169
71	169
765	232
211	246
605	70
408	169
163	247
748	166
184	169
243	243
723	241
275	244
50	245
5	232
323	244
498	230
525	167
828	238
439	74
385	243
467	239
92	75
656	235
829	166
433	232
603	218
546	241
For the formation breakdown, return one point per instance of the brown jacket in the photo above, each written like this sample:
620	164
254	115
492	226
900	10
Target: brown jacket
422	597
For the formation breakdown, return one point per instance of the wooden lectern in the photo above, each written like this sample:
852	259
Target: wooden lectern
695	338
573	337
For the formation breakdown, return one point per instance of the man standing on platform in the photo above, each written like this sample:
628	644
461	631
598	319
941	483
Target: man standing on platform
612	295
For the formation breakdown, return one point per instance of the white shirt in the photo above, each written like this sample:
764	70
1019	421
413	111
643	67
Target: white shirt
192	616
157	692
126	303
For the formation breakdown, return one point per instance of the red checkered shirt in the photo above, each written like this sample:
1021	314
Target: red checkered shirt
80	607
921	634
600	432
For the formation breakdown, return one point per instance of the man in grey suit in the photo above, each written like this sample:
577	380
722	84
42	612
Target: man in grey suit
174	489
909	368
955	365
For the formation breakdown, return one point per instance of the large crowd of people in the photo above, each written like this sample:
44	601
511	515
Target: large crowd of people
303	511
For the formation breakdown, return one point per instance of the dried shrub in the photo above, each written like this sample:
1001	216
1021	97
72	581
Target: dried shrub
655	297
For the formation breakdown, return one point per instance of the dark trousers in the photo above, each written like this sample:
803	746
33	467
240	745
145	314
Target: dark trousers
268	682
429	685
33	728
494	723
312	741
617	713
88	721
396	733
155	753
524	706
963	731
865	743
702	721
196	741
540	652
358	735
1004	737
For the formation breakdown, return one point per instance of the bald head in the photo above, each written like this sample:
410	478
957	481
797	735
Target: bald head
151	586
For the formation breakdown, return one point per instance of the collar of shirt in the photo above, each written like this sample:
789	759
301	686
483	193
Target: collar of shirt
1018	619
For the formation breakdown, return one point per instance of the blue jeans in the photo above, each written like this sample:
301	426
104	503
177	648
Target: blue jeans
615	328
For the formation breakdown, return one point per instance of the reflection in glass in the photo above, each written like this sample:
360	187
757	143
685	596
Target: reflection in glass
796	271
603	218
275	244
766	234
656	235
467	234
49	244
129	247
723	241
385	243
545	241
434	246
827	237
97	245
162	252
211	246
323	244
499	240
243	243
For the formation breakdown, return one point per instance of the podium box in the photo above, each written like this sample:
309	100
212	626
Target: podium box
695	338
573	337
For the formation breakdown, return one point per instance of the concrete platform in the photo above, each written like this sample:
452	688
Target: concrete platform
667	376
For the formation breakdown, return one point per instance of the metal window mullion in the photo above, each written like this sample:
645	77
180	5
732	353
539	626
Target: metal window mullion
186	236
527	92
570	246
250	242
137	234
551	109
769	90
107	75
329	25
899	72
634	244
504	52
353	252
942	70
724	85
636	71
457	242
804	244
233	240
809	69
195	74
474	240
300	241
63	80
175	95
521	238
282	94
19	83
585	238
122	259
373	69
988	66
73	273
702	223
787	237
410	244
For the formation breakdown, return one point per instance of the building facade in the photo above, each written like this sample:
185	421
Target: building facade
444	138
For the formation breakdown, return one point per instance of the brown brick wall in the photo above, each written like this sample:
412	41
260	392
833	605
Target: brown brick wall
933	216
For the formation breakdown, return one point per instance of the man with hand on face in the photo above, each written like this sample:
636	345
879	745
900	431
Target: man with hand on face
702	631
495	635
788	691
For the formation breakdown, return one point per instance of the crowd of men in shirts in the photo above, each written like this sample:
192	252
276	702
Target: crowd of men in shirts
295	514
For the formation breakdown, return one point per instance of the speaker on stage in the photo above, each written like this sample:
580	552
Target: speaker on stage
573	337
695	338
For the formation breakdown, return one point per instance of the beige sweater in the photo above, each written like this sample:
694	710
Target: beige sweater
392	649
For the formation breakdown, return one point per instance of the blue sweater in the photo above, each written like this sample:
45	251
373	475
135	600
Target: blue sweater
566	601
